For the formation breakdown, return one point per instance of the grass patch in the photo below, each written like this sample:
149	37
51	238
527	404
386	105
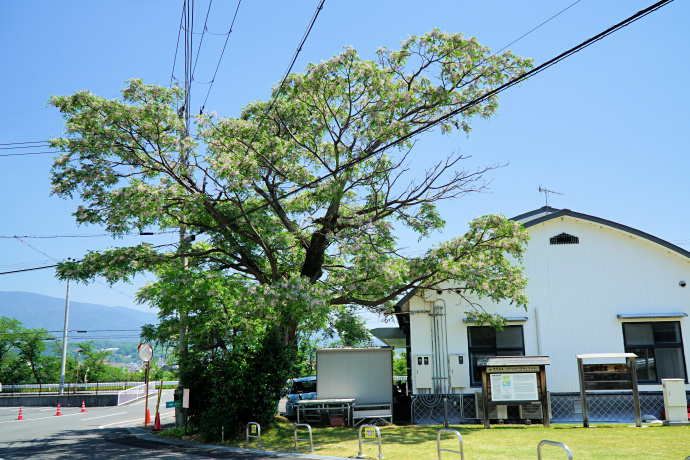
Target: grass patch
603	442
171	433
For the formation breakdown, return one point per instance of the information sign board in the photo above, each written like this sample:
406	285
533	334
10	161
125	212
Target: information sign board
169	404
514	387
510	369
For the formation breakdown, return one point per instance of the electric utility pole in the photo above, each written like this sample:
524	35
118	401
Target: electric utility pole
183	113
64	343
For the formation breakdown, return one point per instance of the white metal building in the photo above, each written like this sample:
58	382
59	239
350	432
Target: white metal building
595	286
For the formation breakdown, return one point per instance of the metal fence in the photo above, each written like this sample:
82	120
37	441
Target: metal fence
565	407
40	389
429	409
606	407
134	393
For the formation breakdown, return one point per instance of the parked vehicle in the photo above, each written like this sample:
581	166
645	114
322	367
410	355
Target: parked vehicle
302	388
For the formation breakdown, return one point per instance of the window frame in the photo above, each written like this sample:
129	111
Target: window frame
654	347
471	350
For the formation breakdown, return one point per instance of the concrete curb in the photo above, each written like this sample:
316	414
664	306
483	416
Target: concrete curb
145	435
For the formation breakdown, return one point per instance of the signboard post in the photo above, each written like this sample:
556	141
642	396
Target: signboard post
609	376
517	380
146	353
185	405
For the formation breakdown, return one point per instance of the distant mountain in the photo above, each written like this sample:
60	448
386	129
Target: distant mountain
35	310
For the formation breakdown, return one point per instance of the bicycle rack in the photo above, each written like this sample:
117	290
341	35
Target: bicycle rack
256	428
307	426
554	443
438	443
378	436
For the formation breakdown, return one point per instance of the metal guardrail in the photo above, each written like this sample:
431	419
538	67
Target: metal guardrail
41	389
256	428
378	436
311	443
438	443
554	443
132	394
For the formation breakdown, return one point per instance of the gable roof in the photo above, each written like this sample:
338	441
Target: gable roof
545	214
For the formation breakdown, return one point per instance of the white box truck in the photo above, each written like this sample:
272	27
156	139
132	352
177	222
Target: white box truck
362	374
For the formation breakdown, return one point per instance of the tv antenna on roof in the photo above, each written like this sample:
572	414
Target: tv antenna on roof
546	194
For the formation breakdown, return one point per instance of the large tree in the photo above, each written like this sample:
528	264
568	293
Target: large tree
293	203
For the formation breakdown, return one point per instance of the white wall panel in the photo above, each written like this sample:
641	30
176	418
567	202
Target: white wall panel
579	289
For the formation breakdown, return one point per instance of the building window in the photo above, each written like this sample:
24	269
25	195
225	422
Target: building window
564	238
487	342
659	350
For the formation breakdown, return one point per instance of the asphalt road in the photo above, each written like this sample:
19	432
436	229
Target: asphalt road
98	433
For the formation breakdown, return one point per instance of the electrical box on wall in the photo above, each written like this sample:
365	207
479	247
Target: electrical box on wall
421	367
457	370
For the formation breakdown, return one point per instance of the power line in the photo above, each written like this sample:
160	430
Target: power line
639	15
25	153
188	15
52	258
78	331
287	72
28	269
26	147
527	33
3	146
23	111
227	37
203	32
37	250
84	236
25	264
177	46
26	142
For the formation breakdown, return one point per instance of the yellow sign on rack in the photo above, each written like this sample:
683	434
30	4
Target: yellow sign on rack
369	433
253	428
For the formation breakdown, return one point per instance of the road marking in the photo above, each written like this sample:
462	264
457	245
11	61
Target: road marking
143	400
39	418
118	423
103	416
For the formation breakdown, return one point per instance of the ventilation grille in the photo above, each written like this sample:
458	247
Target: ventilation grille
564	238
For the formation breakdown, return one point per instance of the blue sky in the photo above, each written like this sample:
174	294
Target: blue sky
607	127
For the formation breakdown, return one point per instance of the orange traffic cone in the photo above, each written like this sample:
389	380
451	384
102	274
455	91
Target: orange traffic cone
20	414
158	421
58	412
83	407
148	416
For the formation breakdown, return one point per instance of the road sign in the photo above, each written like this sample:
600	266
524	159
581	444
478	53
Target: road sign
185	398
145	352
169	404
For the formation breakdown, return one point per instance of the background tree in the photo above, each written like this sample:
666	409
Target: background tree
93	359
296	200
12	368
22	353
400	363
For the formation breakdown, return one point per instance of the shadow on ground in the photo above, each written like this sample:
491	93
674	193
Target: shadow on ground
112	444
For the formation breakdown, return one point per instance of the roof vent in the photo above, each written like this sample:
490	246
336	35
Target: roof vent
564	238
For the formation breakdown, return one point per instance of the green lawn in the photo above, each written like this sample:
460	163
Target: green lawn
500	442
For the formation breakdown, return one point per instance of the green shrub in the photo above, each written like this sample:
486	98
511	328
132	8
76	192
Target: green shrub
239	386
